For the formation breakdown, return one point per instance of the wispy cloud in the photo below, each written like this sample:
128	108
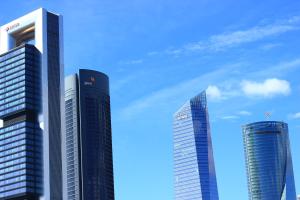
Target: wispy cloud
268	88
121	82
229	117
244	113
177	92
132	62
295	115
279	69
238	115
270	46
219	90
226	40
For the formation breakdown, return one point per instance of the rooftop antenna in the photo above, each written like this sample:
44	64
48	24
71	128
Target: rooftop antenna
268	115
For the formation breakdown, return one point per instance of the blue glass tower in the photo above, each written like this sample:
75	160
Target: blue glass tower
194	168
31	102
269	161
20	136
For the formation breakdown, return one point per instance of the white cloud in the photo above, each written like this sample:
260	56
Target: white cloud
244	113
268	88
132	62
213	93
270	46
226	40
175	93
295	115
182	91
230	117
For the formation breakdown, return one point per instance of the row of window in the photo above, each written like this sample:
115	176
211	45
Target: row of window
13	168
12	133
12	87
37	173
28	96
28	73
12	82
12	93
12	98
13	162
15	156
13	127
20	191
13	66
16	179
12	76
16	108
28	56
15	150
27	134
12	145
11	60
17	185
13	192
11	104
12	54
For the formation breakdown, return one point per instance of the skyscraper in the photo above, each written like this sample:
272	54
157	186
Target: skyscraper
31	102
88	137
269	161
194	169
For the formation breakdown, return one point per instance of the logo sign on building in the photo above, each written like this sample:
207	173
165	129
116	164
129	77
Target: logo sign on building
11	27
90	82
182	115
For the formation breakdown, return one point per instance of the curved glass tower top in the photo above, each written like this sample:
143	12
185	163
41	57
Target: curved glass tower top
88	137
194	168
268	160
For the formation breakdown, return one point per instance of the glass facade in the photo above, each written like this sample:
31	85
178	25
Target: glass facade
194	170
20	136
268	161
88	137
31	75
72	139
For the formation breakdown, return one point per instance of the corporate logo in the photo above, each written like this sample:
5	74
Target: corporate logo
11	27
91	81
182	115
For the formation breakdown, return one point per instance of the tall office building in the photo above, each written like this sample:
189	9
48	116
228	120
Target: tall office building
194	169
269	161
31	99
88	137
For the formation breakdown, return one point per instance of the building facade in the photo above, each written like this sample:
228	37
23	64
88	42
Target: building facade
269	161
194	168
88	137
31	75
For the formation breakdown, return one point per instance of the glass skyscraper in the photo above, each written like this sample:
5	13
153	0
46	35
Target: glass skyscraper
88	137
31	94
269	161
194	169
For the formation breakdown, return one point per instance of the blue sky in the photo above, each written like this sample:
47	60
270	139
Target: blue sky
159	53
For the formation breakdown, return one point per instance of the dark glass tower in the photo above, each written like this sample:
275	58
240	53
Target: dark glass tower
30	107
21	135
195	177
88	137
269	161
